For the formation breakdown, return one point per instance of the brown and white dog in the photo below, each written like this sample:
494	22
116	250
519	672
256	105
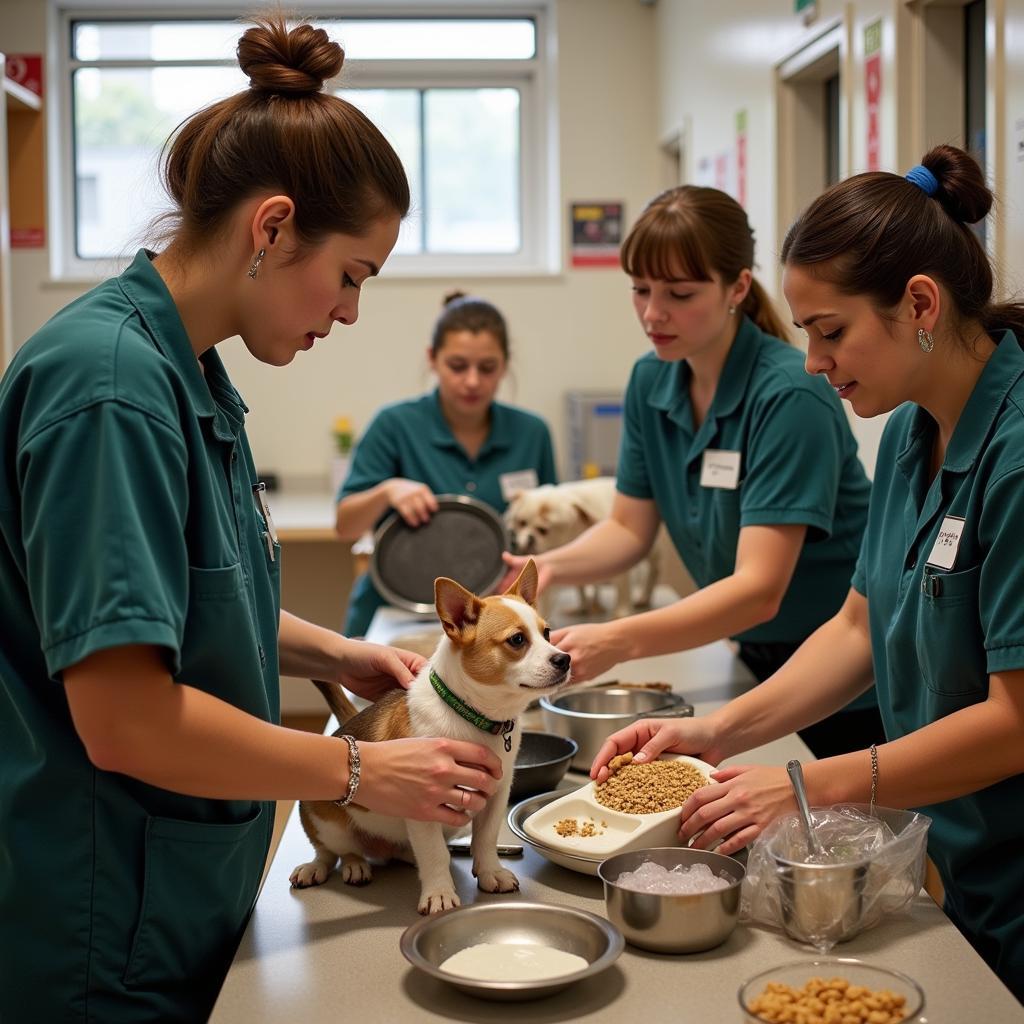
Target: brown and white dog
551	515
495	657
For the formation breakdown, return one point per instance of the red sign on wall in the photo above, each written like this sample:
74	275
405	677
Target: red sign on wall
741	158
26	69
873	93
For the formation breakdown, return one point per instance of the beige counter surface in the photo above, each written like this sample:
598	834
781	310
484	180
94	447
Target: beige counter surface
330	954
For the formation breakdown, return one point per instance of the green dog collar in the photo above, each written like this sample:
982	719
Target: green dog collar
470	714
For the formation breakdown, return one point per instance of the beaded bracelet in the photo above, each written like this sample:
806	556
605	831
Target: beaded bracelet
874	777
353	772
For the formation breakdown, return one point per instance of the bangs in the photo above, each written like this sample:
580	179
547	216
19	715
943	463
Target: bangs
664	246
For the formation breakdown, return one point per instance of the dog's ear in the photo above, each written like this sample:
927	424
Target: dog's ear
457	608
525	586
583	512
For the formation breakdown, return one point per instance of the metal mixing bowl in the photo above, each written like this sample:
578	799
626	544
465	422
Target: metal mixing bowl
541	762
590	716
672	924
428	943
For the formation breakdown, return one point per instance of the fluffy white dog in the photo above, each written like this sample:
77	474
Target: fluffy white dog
549	516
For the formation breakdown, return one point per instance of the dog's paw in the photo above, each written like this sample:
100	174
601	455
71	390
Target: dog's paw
316	872
355	871
501	880
435	902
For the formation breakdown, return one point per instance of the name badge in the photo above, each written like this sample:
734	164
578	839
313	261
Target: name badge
520	480
720	468
947	544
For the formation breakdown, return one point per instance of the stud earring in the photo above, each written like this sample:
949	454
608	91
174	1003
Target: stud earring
254	267
925	340
732	310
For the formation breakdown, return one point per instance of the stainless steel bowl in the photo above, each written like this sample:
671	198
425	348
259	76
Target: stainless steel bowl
672	924
822	904
590	716
428	943
574	862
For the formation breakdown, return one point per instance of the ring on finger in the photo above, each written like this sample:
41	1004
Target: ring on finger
465	797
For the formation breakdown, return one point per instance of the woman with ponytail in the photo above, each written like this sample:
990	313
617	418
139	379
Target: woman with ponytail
895	293
749	462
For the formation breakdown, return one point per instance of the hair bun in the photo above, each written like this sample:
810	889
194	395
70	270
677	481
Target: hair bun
287	62
453	296
963	192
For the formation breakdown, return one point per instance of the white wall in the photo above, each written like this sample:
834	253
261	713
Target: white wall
573	330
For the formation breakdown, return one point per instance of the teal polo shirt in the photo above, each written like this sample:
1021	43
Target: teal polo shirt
411	439
797	464
947	611
126	517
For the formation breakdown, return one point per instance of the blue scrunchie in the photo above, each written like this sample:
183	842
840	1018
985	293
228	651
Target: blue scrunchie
923	179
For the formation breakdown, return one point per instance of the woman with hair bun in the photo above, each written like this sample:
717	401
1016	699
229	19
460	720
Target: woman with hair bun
143	638
895	293
456	439
750	464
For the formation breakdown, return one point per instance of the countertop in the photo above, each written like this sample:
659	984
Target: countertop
331	953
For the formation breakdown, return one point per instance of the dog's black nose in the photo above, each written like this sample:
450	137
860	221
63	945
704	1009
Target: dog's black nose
561	661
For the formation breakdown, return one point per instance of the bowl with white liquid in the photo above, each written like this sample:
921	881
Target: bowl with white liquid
510	950
673	900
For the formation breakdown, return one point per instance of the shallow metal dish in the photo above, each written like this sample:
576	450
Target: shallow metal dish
463	540
668	923
590	716
518	814
542	761
430	942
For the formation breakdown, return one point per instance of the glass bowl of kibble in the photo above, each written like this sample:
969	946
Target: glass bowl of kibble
832	990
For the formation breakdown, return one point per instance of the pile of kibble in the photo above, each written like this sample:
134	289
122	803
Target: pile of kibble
648	788
828	1001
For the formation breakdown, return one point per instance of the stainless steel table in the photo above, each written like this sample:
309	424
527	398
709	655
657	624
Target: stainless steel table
331	954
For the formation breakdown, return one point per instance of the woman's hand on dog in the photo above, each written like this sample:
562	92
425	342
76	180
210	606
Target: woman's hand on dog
427	779
370	670
515	565
412	500
593	648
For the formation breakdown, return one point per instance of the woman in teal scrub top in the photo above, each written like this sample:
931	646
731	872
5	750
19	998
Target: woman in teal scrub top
142	637
456	439
750	464
895	293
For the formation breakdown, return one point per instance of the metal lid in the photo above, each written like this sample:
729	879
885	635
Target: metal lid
463	541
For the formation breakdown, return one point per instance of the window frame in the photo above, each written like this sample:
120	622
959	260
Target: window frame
534	79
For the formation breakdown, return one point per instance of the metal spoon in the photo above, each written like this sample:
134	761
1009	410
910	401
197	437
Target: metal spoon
796	777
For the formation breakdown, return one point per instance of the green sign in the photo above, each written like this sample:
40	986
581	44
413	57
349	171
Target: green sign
872	38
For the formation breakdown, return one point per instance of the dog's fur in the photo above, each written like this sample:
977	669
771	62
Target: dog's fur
495	656
549	516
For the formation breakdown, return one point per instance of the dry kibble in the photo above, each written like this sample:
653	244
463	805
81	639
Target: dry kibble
648	788
566	827
835	1001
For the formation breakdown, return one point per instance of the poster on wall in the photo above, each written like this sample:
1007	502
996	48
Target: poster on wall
873	92
596	234
741	157
25	153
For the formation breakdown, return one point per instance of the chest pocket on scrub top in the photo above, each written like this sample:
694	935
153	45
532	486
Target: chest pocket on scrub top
949	640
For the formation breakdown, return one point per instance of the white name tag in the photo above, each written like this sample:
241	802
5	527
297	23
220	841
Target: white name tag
520	480
720	468
947	544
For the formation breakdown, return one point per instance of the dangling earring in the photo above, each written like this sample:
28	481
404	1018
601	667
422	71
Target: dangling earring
925	340
254	267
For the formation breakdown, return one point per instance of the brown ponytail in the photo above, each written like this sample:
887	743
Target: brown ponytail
692	231
870	234
282	134
463	312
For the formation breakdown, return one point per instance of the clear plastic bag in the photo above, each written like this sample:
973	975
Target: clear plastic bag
874	865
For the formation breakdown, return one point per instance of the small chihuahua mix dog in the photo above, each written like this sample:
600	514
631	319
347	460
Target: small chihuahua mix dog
491	663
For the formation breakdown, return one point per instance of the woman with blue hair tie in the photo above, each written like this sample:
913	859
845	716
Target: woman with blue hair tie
894	291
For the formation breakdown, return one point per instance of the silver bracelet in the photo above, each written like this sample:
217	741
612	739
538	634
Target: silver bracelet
874	778
353	772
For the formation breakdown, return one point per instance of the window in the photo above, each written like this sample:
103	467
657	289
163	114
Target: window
460	98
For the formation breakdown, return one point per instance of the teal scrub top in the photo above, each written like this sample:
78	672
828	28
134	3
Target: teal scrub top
411	439
796	462
947	611
127	516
